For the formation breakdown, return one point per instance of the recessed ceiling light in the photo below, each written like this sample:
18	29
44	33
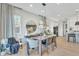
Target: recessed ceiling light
30	5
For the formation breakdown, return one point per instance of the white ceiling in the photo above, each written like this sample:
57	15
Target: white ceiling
53	10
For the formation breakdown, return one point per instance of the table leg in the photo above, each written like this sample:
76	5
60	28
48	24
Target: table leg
47	45
40	47
68	38
54	41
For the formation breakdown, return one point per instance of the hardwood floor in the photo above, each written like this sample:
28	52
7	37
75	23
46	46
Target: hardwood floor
64	48
67	48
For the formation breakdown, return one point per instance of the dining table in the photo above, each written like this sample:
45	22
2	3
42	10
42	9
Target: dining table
41	38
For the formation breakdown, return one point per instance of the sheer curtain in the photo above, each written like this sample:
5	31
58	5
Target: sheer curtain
0	24
7	20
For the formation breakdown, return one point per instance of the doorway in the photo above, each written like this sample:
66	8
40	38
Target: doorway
55	29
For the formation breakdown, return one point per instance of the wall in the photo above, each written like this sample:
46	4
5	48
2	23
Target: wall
51	23
27	16
60	29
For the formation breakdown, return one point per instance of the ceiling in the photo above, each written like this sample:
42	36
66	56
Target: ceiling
51	10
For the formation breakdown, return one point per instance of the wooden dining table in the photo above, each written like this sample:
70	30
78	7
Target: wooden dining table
41	38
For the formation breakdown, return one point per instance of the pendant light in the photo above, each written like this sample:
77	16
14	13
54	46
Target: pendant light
44	17
77	22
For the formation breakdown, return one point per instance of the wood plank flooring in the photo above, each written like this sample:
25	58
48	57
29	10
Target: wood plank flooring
64	48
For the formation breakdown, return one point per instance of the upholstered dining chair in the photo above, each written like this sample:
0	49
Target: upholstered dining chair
30	44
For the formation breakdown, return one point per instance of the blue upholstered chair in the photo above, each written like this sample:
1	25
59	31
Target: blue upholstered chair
13	45
31	44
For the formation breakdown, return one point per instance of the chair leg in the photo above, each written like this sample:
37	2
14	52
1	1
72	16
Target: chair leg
37	50
27	49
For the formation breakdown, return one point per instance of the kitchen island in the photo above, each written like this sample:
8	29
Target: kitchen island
75	36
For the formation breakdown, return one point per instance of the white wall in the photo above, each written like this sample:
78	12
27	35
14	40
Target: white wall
60	29
26	16
51	23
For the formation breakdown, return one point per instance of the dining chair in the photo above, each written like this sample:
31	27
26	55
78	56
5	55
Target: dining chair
30	44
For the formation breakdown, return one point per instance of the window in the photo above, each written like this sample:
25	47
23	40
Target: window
17	24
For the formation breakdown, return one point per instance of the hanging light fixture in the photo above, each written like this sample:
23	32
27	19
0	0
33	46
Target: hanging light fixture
77	22
44	4
44	16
